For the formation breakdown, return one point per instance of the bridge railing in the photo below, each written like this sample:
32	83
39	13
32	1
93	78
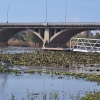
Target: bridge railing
85	44
52	23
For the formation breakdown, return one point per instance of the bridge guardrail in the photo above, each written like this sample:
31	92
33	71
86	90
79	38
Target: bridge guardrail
54	23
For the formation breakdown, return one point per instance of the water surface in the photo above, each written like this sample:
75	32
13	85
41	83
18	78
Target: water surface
13	50
43	85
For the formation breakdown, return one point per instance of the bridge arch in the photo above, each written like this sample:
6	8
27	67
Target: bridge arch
44	33
65	35
7	33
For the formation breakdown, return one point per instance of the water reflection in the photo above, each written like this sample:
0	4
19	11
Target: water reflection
43	87
81	69
13	50
3	82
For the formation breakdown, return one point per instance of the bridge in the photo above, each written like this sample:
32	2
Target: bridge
51	34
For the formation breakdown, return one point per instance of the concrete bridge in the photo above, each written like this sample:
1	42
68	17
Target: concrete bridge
51	34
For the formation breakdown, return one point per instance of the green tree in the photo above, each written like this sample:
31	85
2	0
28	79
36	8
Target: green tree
30	36
35	38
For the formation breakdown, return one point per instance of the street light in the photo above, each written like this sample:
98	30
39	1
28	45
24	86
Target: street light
46	10
66	12
7	13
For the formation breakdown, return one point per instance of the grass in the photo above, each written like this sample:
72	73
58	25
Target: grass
91	96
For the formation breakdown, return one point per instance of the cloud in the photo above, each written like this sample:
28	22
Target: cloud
74	19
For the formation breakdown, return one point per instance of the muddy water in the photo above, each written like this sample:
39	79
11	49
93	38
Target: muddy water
43	85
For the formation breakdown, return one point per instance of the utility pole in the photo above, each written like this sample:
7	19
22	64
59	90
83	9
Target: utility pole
66	13
46	10
7	13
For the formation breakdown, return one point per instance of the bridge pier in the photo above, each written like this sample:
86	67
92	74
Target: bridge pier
46	37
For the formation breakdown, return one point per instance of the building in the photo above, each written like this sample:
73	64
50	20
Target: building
87	34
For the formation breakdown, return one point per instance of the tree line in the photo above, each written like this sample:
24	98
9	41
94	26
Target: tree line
26	37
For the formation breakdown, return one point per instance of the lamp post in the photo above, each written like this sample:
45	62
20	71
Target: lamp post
46	10
7	13
66	12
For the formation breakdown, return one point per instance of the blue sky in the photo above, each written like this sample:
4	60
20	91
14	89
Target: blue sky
35	10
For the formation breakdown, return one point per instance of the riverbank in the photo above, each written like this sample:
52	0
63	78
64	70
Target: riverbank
16	42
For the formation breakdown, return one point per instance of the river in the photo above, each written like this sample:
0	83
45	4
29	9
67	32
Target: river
42	86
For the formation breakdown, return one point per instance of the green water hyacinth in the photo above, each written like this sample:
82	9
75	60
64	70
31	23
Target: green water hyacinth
51	58
91	96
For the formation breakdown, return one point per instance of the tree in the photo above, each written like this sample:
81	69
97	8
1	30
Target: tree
35	38
29	36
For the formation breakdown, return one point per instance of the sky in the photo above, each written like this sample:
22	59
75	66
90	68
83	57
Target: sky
57	10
